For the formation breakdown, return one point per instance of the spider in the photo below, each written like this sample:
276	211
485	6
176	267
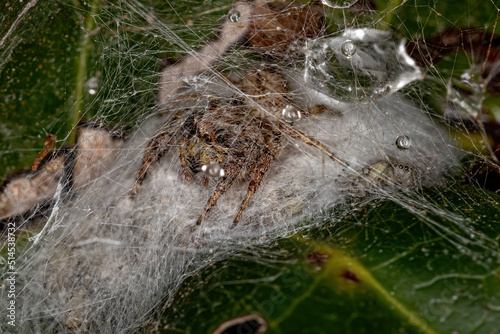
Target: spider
243	135
395	173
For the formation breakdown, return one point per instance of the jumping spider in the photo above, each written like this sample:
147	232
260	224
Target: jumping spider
385	173
244	135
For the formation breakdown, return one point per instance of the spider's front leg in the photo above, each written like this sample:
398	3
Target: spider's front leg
161	143
240	154
297	134
271	151
156	148
231	173
184	160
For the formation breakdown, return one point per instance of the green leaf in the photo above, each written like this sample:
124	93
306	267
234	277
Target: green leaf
50	51
390	267
37	67
383	269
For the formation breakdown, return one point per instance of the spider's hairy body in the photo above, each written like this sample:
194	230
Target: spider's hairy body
244	135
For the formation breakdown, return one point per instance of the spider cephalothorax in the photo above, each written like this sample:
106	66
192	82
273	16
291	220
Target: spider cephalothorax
243	135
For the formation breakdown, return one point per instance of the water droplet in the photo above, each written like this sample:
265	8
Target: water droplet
92	85
403	142
338	3
213	170
291	114
348	48
466	76
190	80
234	15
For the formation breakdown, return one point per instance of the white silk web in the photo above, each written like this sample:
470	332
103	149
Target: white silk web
103	260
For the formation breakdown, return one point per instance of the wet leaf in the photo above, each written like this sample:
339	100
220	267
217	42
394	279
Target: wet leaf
58	51
380	270
383	269
37	70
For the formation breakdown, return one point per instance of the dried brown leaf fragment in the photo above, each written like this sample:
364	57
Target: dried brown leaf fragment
281	28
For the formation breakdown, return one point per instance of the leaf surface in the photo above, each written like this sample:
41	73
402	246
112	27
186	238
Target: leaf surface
381	269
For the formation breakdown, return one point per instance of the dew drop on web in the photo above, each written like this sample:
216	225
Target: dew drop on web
339	3
348	48
403	142
291	114
234	15
92	85
213	170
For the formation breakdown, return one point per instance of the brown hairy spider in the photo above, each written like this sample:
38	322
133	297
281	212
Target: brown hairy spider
243	135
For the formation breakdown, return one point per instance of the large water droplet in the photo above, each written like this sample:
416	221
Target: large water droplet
92	85
403	142
339	3
213	170
356	58
291	114
234	15
348	48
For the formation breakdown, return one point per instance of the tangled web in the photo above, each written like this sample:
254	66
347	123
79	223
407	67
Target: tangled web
261	118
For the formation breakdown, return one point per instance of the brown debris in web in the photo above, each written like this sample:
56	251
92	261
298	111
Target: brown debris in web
95	152
280	29
47	148
25	190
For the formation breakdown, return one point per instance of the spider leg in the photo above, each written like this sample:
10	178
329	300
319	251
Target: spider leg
294	133
262	167
232	171
184	161
316	110
157	147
